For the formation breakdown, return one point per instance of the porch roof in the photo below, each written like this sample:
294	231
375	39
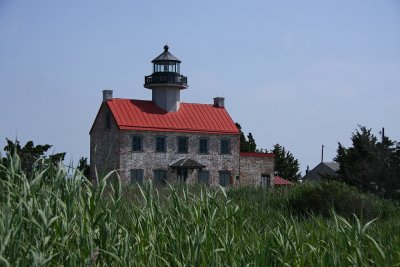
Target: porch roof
187	163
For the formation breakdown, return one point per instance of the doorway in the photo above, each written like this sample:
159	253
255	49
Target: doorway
182	174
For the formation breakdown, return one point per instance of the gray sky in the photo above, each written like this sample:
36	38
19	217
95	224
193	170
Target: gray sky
297	73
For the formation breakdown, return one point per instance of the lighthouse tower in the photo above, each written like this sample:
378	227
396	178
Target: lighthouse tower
166	82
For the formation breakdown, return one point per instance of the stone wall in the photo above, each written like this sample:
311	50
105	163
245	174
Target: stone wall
104	144
149	159
111	149
253	167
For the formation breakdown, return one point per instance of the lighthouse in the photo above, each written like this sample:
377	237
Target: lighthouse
166	82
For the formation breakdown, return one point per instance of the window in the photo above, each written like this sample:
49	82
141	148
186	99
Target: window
136	176
203	146
182	145
224	178
137	143
160	177
108	121
204	176
265	180
225	146
160	144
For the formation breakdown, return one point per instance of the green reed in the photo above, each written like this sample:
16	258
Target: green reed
54	218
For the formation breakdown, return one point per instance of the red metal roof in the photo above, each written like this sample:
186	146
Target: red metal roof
280	181
146	115
257	154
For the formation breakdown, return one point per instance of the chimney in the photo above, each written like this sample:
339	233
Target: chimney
308	169
107	94
219	102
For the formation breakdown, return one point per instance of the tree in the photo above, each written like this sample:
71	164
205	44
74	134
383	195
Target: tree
84	167
29	154
246	145
370	164
251	143
286	166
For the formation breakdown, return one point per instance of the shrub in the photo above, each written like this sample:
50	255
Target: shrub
321	198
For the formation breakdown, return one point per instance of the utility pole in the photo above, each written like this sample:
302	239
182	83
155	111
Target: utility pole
383	134
322	153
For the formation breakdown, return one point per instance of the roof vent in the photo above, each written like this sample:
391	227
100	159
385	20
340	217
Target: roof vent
219	102
107	94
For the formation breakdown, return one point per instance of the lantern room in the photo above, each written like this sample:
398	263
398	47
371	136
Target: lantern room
166	72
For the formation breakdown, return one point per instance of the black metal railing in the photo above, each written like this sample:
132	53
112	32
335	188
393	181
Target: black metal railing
170	78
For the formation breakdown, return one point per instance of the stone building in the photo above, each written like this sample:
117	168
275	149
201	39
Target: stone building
166	140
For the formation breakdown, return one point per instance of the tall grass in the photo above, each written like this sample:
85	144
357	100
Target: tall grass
53	218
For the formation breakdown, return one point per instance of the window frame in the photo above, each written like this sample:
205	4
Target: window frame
162	181
207	145
132	171
228	146
228	181
133	136
178	144
200	176
265	183
165	144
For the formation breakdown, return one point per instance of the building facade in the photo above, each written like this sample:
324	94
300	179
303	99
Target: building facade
165	141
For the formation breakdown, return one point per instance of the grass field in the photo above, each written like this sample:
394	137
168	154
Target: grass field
55	219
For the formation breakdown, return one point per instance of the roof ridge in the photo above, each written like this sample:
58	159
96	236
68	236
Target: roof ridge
147	100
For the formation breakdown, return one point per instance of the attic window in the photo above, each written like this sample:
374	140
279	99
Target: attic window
108	121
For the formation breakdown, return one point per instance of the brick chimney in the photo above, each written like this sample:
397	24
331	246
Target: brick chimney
219	102
107	94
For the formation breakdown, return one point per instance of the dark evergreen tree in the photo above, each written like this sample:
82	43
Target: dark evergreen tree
286	166
244	145
56	158
84	167
32	156
28	154
370	164
251	143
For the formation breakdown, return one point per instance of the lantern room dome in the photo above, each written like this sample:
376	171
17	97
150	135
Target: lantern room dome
166	56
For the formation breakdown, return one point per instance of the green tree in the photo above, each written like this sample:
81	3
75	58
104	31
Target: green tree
243	141
370	164
29	154
246	145
286	166
251	143
84	167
